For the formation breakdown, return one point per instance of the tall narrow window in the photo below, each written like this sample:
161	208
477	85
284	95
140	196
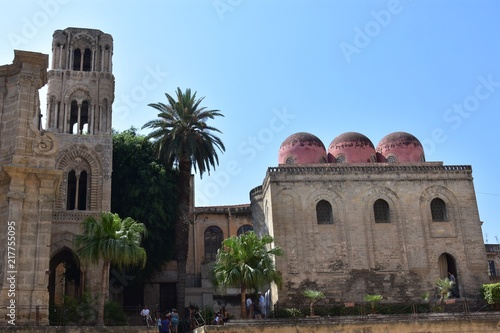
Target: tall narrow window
71	191
491	268
77	59
84	118
213	240
87	60
324	214
438	210
73	118
381	211
82	191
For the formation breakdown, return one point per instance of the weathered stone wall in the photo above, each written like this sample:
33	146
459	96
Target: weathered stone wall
355	256
433	324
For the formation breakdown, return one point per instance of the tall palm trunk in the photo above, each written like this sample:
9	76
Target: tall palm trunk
182	231
243	303
104	292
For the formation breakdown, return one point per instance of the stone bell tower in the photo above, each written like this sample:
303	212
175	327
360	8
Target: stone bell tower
79	98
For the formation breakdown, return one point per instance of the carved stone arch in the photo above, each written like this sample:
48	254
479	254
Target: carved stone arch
385	256
444	229
384	193
439	192
83	40
87	93
60	241
80	156
334	198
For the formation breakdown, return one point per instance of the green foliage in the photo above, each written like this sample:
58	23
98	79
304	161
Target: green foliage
444	287
75	312
491	293
245	261
182	139
313	296
145	190
373	299
114	315
289	313
111	239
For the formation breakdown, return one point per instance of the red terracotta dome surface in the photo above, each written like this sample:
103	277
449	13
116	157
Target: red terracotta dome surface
302	148
400	147
351	147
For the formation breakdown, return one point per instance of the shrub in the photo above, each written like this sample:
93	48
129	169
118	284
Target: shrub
114	315
491	293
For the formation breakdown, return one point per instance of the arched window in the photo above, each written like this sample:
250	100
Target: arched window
438	210
381	211
87	60
213	240
76	196
77	59
244	228
324	214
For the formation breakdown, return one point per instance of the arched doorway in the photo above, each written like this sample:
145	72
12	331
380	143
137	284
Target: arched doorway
447	266
65	277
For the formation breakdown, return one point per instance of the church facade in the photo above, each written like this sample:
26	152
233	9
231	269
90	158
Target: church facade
357	219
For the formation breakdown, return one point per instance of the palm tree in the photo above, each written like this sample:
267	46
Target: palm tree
182	138
313	296
444	287
115	242
245	261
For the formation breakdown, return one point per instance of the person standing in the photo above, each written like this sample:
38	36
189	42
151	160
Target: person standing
262	304
174	321
165	325
249	307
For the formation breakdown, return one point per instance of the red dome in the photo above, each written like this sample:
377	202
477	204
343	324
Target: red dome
400	147
351	147
302	148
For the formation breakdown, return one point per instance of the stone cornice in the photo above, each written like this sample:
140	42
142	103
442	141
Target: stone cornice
21	57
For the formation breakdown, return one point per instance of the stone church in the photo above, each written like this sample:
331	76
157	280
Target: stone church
353	220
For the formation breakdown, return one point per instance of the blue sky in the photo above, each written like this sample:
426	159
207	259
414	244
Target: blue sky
274	68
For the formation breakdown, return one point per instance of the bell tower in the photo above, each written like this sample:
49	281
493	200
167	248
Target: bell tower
80	95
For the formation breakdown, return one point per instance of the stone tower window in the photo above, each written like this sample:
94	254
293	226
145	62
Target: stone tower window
213	241
381	211
244	228
324	214
438	210
76	197
87	60
79	117
77	59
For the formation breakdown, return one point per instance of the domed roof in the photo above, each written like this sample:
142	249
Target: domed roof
351	147
400	147
302	148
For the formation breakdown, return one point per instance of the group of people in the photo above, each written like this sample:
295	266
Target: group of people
167	323
257	309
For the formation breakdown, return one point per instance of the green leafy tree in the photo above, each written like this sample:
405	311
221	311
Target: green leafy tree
246	262
182	138
145	190
313	296
114	241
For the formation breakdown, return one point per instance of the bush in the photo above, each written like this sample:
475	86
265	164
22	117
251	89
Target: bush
491	293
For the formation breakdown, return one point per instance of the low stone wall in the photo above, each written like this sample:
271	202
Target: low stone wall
480	323
77	329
